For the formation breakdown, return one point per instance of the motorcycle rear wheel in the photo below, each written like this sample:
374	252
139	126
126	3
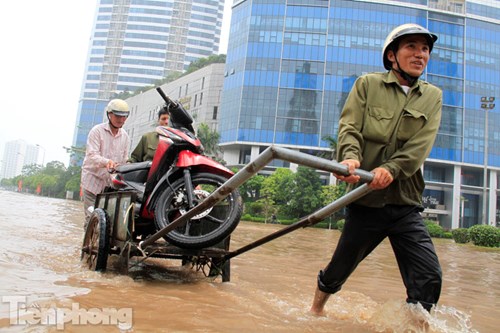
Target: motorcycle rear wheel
207	228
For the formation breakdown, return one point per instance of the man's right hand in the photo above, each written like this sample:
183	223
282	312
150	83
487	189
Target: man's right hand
352	165
111	165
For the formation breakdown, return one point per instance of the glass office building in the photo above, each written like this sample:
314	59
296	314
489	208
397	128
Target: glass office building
137	42
291	63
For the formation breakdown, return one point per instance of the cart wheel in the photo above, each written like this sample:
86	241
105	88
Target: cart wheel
95	249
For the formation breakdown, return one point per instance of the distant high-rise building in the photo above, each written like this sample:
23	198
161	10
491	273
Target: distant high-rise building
16	155
135	43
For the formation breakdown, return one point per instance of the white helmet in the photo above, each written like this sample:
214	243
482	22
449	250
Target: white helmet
391	42
119	107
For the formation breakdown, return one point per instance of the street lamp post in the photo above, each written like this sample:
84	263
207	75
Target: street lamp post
76	153
43	156
487	103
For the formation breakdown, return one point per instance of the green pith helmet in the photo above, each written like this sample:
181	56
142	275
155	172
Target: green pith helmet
119	107
404	30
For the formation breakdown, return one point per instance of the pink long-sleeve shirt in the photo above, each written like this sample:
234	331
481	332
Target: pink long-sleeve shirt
103	146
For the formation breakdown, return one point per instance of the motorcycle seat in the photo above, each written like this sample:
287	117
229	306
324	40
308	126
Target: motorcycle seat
132	167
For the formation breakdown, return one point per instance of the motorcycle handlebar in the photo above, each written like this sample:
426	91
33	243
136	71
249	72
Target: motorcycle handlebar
179	117
166	98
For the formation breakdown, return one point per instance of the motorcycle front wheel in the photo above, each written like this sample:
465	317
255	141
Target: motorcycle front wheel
208	227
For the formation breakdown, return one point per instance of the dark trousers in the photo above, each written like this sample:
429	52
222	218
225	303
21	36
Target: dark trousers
365	228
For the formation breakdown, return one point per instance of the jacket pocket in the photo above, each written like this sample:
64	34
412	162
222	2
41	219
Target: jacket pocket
412	121
377	126
151	150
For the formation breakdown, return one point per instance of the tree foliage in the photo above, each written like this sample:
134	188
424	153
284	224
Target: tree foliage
277	186
485	235
210	140
74	175
250	190
174	75
53	180
305	192
30	170
272	191
332	145
203	62
330	193
291	195
294	194
461	235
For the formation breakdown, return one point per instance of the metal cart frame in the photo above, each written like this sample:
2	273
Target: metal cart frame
117	207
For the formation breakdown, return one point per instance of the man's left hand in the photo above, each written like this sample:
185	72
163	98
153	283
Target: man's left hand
381	179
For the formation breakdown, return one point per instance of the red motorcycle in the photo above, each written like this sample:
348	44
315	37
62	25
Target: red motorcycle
178	178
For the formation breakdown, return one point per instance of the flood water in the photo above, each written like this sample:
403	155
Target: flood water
271	287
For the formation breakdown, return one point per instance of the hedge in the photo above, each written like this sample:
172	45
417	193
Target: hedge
461	235
485	235
435	230
480	235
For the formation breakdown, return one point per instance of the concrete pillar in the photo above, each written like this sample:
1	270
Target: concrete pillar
254	153
456	207
333	180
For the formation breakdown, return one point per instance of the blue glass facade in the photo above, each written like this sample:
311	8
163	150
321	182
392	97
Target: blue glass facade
290	65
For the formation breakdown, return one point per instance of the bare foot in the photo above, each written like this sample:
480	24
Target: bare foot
317	312
319	301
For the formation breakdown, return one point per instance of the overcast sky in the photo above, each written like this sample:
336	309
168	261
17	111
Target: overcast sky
42	60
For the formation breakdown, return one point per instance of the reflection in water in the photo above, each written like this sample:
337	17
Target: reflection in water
271	287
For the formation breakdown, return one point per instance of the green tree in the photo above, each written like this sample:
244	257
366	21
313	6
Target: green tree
73	179
305	195
55	168
330	193
174	75
171	76
267	203
203	62
51	179
30	170
250	190
275	189
56	185
332	145
7	182
210	140
50	185
278	186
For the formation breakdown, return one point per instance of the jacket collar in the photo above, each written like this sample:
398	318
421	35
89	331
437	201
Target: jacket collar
391	78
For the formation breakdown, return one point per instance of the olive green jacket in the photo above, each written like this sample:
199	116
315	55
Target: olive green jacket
381	126
145	149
